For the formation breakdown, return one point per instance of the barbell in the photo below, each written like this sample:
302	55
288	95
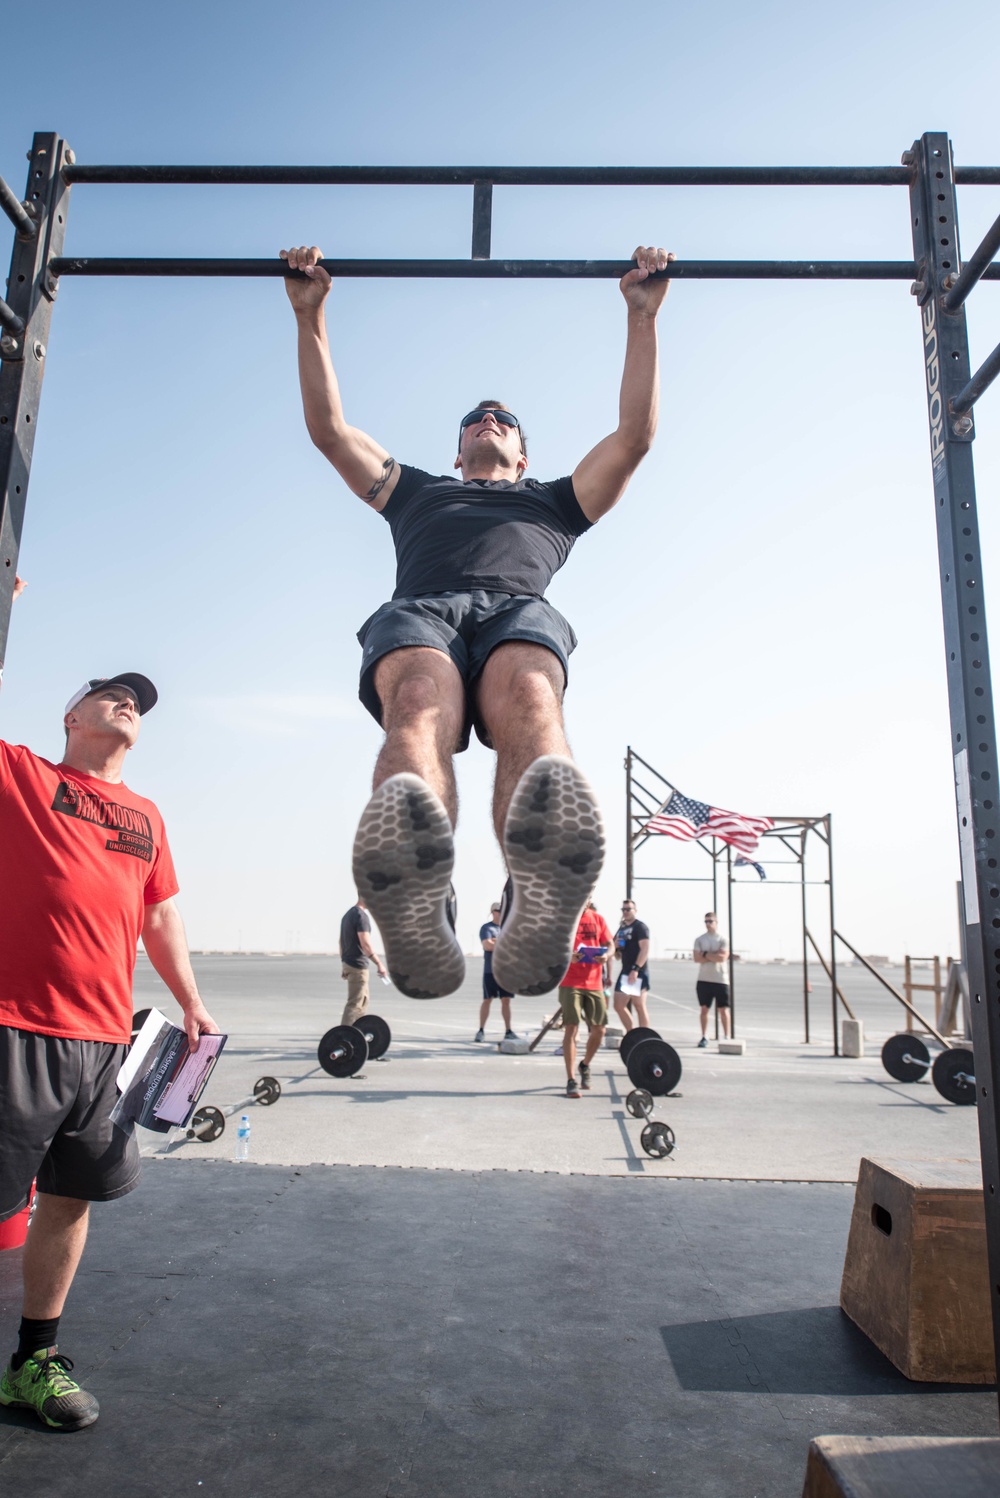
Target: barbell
344	1050
953	1072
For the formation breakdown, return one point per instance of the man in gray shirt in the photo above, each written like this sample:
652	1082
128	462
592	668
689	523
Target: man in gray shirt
711	954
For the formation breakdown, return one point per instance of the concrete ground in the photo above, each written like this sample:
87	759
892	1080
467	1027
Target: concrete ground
783	1111
440	1280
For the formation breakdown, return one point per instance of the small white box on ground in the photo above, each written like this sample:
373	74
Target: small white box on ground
732	1047
852	1037
517	1047
614	1032
612	1042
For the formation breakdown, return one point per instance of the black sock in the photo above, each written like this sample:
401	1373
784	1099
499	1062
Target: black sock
32	1336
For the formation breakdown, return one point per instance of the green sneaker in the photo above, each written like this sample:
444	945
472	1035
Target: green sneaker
42	1383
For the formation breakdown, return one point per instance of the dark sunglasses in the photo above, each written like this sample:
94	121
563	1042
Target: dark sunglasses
505	418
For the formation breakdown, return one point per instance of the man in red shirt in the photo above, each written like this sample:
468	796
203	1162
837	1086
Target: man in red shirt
86	870
581	994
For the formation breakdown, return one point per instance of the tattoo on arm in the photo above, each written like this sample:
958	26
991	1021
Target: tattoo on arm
388	467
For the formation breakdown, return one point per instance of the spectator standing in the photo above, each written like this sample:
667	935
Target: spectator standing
581	994
711	954
488	934
86	870
632	945
356	951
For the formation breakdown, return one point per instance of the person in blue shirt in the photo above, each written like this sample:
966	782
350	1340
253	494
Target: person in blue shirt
491	989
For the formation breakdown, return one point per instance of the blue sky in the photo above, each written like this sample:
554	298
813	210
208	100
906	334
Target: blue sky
759	617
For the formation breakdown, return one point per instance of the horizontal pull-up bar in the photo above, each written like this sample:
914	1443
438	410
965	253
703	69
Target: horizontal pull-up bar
502	270
520	176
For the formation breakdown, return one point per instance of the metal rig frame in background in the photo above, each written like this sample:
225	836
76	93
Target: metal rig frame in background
643	801
940	284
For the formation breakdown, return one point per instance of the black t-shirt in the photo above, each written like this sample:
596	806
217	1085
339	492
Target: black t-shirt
452	535
627	939
354	921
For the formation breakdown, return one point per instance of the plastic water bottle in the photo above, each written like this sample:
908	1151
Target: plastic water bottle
242	1151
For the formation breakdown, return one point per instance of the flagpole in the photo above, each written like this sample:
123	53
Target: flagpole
715	907
805	945
732	964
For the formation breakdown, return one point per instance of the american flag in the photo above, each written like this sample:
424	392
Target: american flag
748	863
686	819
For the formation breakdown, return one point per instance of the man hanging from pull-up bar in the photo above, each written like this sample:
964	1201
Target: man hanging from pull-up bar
469	639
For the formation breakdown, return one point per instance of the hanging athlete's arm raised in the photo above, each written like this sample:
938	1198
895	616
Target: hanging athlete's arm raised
601	478
362	463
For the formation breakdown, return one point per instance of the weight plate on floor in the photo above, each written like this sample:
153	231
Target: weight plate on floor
658	1139
206	1125
654	1065
343	1051
632	1037
139	1018
906	1058
639	1103
954	1075
376	1032
267	1090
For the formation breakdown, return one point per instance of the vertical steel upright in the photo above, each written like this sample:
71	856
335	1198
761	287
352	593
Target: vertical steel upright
628	823
934	217
30	294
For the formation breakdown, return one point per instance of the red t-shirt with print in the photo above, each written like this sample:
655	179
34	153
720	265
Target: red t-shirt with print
591	932
80	859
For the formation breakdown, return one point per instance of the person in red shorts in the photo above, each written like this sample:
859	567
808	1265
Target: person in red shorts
86	870
581	994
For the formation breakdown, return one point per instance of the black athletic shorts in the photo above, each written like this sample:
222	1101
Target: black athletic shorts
492	989
709	991
466	627
55	1099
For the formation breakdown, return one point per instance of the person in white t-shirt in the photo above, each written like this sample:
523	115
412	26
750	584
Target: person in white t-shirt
711	954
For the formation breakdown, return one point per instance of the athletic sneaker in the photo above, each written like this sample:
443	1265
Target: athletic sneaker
584	1076
510	1035
479	1035
571	1088
554	846
42	1383
404	853
703	1042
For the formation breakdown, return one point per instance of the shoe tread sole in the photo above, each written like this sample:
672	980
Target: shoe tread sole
554	846
404	854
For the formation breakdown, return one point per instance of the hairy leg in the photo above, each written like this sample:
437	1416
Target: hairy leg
622	1010
724	1016
505	1011
569	1049
642	1013
594	1041
52	1253
484	1013
704	1019
520	696
423	709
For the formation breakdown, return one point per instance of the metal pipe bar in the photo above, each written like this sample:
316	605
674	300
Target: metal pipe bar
504	176
973	268
482	220
9	319
824	966
697	270
14	209
978	385
894	991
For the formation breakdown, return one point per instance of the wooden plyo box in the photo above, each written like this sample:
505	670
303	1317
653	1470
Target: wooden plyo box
902	1467
916	1279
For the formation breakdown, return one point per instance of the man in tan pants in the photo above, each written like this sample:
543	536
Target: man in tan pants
355	952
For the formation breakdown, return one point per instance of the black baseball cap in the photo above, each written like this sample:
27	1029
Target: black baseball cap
140	686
